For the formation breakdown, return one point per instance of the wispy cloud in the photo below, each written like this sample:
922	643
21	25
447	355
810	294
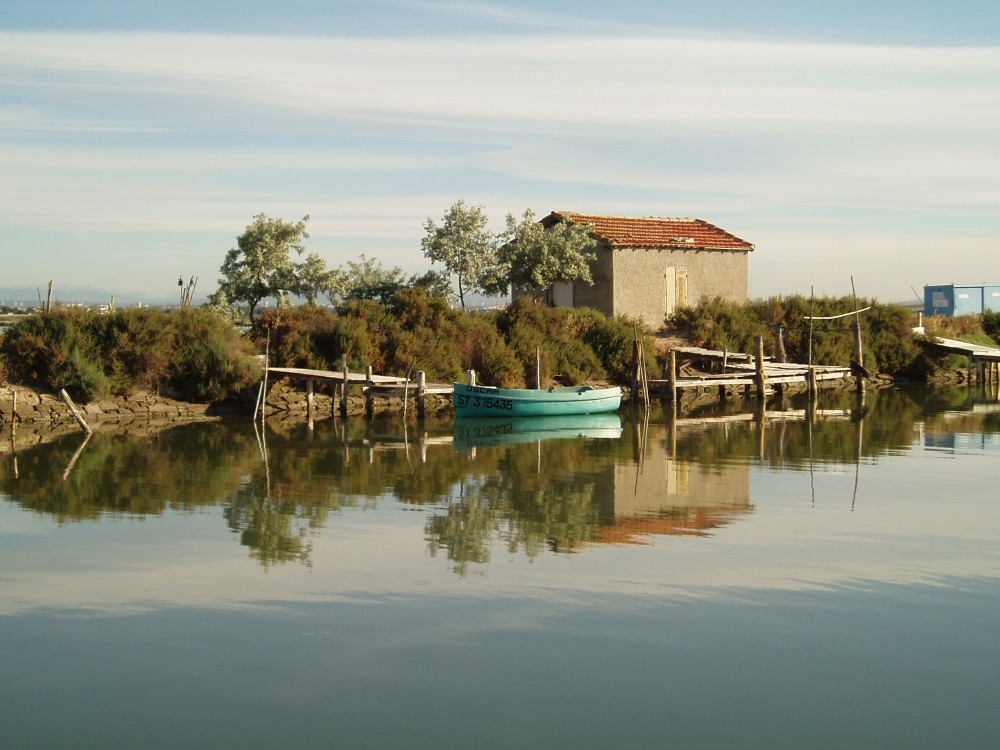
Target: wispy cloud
131	131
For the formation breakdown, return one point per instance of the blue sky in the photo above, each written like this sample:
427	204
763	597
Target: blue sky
843	139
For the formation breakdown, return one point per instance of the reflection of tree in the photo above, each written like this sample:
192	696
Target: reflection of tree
266	526
523	498
525	509
179	469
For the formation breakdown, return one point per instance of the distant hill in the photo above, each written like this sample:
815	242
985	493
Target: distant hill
29	296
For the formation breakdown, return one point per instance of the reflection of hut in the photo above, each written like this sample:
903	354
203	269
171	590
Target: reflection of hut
667	496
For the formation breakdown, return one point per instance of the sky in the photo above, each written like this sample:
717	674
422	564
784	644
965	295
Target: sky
856	140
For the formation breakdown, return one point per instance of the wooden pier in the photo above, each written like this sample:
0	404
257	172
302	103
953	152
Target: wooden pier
753	373
372	386
984	361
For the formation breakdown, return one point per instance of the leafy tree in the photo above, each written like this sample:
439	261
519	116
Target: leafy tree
261	265
313	279
434	283
532	256
369	279
465	247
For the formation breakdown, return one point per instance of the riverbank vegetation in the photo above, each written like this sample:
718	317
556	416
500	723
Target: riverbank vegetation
890	345
416	331
197	355
188	354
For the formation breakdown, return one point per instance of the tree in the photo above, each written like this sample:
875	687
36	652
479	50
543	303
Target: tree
313	279
434	283
532	256
261	265
465	247
369	279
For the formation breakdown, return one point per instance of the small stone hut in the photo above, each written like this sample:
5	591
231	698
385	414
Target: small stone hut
646	267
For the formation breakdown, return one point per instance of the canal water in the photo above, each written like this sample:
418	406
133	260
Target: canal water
821	578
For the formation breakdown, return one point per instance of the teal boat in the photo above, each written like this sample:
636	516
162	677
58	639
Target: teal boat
482	432
485	401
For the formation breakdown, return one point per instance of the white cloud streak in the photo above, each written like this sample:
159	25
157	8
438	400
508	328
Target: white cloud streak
178	130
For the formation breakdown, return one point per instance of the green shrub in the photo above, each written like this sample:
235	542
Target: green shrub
886	330
991	325
190	353
211	362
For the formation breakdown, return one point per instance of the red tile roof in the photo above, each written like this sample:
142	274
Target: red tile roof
652	232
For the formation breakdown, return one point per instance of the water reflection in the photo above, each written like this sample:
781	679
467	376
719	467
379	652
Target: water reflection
482	488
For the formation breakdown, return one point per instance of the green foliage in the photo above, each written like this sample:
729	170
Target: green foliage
192	354
991	325
532	256
417	331
886	330
464	246
261	265
211	361
576	345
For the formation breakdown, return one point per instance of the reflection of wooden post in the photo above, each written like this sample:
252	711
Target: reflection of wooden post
343	385
421	393
761	418
859	356
759	365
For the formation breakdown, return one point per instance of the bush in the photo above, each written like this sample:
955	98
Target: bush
991	325
886	330
190	353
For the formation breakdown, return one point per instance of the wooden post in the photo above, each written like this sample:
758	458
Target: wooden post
421	393
263	383
76	414
13	416
470	377
538	368
309	403
635	370
369	397
672	377
48	299
859	356
759	365
343	385
779	343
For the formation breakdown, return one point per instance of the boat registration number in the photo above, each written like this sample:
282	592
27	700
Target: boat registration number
485	402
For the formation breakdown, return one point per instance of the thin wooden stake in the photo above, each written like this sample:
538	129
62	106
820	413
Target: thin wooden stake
73	410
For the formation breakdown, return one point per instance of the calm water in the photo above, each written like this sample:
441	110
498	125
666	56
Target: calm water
732	581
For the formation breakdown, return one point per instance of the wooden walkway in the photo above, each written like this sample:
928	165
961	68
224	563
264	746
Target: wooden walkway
746	371
373	386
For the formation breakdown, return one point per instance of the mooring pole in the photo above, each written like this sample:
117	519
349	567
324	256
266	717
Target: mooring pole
759	366
421	393
672	377
343	385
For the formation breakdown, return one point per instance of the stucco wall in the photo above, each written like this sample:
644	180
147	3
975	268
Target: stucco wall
598	296
640	279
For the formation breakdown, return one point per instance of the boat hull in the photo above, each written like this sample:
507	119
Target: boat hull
482	432
484	401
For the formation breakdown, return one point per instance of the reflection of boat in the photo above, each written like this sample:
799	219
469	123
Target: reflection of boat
485	431
480	401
